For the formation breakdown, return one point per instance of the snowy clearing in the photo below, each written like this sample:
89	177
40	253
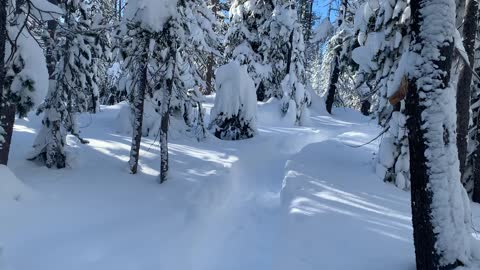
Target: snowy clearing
282	200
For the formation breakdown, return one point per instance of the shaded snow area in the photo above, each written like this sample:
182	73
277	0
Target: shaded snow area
289	198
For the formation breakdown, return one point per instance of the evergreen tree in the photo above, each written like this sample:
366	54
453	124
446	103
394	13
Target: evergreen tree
23	76
160	59
234	113
440	212
74	88
384	34
285	51
338	68
244	40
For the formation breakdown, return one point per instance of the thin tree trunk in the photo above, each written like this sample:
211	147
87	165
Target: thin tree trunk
138	105
164	125
332	86
3	37
7	110
209	75
119	10
476	167
7	116
428	143
465	82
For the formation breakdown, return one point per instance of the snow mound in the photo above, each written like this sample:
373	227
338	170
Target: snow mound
11	188
152	14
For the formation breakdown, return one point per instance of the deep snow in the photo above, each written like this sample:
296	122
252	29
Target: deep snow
290	198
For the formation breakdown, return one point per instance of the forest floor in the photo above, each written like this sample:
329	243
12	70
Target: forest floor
290	198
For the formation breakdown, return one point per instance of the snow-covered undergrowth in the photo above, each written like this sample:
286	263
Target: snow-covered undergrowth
289	198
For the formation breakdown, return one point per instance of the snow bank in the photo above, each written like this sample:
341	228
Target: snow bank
152	14
151	122
11	188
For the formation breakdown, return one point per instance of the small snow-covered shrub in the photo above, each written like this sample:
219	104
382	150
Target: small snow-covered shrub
234	112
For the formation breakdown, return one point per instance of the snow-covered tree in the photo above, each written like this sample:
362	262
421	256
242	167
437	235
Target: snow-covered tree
464	93
338	69
74	87
160	50
244	40
23	73
234	113
285	51
384	35
440	207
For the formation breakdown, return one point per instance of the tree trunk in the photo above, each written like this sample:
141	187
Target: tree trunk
335	72
332	86
120	10
465	82
3	37
7	116
164	125
210	73
138	101
431	146
476	167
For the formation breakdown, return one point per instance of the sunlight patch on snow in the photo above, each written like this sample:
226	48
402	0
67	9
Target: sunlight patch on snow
203	154
21	128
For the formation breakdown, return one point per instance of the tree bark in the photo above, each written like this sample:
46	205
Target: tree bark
420	105
332	86
210	73
3	37
164	125
138	105
7	116
465	82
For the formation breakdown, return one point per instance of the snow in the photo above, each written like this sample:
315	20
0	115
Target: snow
323	30
11	188
152	14
290	198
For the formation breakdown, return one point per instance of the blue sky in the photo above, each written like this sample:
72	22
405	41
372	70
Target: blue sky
321	8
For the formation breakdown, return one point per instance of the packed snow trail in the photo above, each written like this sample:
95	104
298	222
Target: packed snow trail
290	198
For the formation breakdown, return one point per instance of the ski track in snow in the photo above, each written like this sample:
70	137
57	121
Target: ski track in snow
222	208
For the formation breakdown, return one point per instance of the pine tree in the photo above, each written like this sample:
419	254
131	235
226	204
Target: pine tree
74	88
440	212
384	34
285	51
24	74
337	66
160	60
244	39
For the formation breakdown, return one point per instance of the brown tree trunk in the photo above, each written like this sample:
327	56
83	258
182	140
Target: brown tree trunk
465	82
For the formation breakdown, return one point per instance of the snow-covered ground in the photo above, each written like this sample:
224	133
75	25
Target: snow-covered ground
290	198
